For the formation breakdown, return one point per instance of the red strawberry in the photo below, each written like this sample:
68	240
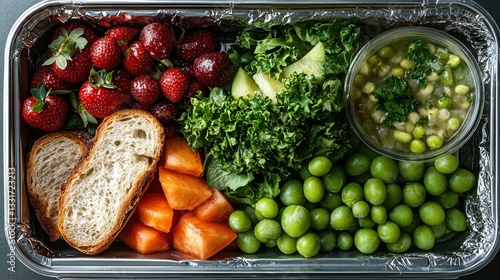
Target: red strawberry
158	39
197	43
164	111
72	25
213	69
137	60
49	78
99	96
106	53
196	87
174	84
70	58
145	89
123	34
122	80
77	69
45	111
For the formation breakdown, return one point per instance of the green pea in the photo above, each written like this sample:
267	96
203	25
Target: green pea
359	80
373	60
378	213
386	52
417	146
335	179
455	219
394	196
431	213
375	191
330	201
366	222
414	194
341	218
402	215
319	166
388	232
423	237
267	229
352	193
361	209
320	218
251	213
240	221
344	240
247	242
292	193
398	72
287	244
446	164
415	222
313	189
304	173
462	180
444	102
357	164
366	240
418	132
384	168
308	245
267	207
435	182
434	141
295	220
328	240
411	170
402	136
401	245
271	243
454	61
439	230
448	199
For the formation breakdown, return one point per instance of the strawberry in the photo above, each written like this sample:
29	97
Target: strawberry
45	111
123	34
70	58
164	111
197	43
99	96
105	53
158	39
174	84
49	78
137	60
145	89
76	70
195	88
213	69
122	80
88	34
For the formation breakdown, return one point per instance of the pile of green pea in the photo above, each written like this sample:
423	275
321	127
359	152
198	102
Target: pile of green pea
367	202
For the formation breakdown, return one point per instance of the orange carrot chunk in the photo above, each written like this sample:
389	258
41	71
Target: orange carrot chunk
178	156
183	191
144	239
201	239
153	211
216	208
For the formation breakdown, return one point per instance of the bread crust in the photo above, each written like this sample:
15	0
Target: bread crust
37	200
128	204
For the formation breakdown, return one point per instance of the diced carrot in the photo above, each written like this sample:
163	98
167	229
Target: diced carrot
144	239
180	157
201	239
217	208
183	191
153	211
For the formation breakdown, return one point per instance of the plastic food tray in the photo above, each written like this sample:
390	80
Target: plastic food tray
455	256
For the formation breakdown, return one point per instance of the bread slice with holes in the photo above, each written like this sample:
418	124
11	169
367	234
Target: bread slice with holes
50	161
103	190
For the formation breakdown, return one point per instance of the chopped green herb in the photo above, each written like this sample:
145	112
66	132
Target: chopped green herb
418	51
395	97
423	120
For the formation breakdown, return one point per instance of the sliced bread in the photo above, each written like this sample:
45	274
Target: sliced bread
50	161
104	189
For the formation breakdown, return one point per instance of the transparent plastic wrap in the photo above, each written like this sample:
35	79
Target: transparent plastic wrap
452	256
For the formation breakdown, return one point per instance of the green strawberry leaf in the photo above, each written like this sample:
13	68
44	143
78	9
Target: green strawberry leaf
61	62
38	106
75	33
39	93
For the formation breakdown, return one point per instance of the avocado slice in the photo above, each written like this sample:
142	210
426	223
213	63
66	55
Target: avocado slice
243	85
311	64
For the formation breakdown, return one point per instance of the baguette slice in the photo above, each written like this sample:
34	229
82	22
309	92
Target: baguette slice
104	189
50	161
